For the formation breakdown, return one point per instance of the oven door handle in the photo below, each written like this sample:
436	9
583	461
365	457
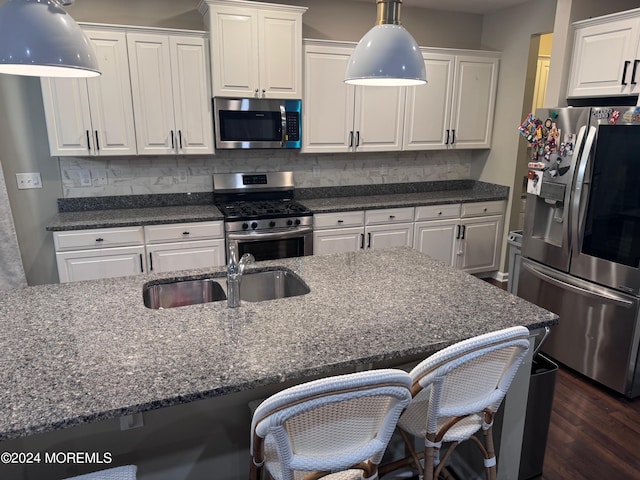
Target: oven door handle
269	235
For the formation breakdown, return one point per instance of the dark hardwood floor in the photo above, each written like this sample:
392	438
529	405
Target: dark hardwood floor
594	432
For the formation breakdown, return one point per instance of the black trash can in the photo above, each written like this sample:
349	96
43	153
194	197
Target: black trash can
536	425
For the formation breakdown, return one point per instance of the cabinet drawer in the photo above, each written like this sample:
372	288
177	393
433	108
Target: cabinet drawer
338	219
437	212
98	238
389	215
183	231
482	208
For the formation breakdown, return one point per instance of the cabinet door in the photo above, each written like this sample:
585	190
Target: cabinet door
234	50
379	117
110	96
170	257
428	107
328	101
599	56
540	88
66	110
100	263
437	239
474	96
152	92
479	247
191	95
337	240
389	236
280	53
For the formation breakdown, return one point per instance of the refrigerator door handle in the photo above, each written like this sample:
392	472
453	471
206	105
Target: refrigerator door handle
580	286
565	225
577	190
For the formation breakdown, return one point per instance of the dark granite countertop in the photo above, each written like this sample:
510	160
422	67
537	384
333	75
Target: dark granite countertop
125	217
86	351
97	212
414	199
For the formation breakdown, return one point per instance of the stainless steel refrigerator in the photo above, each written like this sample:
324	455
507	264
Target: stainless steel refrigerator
581	239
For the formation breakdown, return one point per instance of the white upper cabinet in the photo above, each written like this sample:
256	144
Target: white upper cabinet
606	56
93	116
338	117
455	108
256	49
171	95
428	110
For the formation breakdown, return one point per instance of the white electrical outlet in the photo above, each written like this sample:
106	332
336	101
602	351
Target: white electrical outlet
316	171
99	178
384	170
84	178
28	180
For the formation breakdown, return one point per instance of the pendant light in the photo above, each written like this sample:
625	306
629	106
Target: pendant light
387	55
38	38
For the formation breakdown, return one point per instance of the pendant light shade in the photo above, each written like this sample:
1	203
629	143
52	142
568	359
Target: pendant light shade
387	55
38	38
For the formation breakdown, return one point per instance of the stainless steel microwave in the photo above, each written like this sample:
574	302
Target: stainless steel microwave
257	123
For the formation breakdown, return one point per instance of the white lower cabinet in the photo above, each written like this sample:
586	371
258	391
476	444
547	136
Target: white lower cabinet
466	236
184	246
117	252
358	230
99	253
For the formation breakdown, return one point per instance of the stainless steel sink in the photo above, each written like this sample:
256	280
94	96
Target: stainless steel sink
256	286
182	292
271	284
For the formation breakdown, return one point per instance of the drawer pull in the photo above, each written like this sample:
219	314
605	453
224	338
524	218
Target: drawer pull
392	217
186	232
484	209
99	239
439	213
340	221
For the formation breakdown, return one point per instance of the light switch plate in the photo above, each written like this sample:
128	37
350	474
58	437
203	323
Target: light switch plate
28	180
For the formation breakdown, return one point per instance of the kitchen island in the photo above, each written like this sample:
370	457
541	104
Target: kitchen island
91	351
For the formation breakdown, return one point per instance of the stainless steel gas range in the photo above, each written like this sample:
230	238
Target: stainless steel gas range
261	216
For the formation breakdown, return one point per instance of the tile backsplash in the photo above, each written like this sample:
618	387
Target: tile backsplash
141	175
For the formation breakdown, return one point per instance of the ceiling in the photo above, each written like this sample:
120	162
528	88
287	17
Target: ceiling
468	6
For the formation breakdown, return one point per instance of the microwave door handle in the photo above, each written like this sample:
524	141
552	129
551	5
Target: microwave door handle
576	223
283	120
270	235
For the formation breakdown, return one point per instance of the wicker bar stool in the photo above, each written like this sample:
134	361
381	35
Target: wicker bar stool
337	427
127	472
457	392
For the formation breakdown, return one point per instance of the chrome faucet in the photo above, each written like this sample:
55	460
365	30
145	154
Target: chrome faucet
235	270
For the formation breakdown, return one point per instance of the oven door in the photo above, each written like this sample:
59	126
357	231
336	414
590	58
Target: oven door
273	245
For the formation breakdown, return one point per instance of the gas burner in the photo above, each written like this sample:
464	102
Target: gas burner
248	210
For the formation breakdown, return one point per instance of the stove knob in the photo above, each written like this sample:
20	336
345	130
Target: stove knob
297	221
245	226
272	224
254	225
289	222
